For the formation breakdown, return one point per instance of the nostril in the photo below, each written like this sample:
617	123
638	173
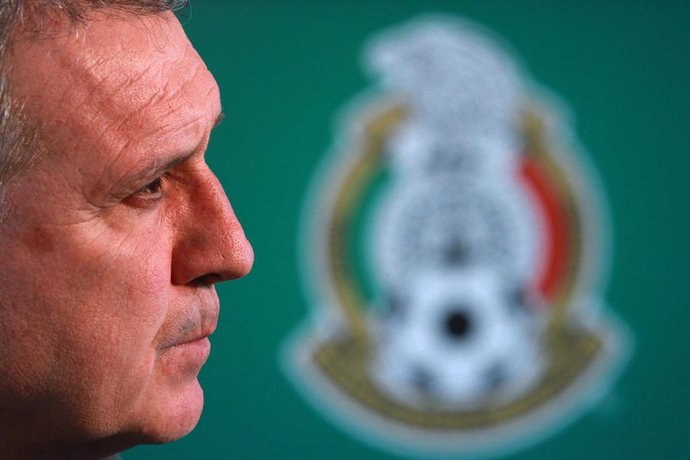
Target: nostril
207	279
458	324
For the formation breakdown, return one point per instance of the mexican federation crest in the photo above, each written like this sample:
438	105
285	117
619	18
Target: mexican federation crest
454	253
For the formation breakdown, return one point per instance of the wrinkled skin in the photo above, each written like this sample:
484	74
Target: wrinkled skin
114	241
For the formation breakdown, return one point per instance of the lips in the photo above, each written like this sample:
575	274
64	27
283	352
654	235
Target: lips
191	324
206	328
184	346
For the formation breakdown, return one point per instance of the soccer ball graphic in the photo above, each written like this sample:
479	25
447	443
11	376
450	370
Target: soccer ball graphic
458	340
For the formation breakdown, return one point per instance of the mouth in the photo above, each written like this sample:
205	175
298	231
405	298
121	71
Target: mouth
187	355
190	332
193	322
182	362
195	342
197	348
186	346
195	332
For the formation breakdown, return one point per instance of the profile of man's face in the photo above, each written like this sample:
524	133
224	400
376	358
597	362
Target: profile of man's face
115	238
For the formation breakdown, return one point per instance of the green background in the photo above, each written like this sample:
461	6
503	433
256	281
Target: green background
286	68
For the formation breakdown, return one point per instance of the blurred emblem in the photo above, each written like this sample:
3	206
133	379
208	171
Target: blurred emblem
454	253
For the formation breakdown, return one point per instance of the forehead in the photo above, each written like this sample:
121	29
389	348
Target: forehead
112	79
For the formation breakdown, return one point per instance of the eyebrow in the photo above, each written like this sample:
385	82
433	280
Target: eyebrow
158	168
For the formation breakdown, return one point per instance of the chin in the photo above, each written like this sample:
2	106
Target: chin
181	415
168	417
163	417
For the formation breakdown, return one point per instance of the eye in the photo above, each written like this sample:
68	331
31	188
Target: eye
148	194
153	188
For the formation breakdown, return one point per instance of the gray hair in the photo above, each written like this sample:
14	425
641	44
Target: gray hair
18	137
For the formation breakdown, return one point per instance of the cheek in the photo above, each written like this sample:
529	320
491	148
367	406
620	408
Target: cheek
115	286
81	311
128	280
125	290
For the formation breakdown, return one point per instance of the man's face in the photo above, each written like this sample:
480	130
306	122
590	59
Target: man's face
116	236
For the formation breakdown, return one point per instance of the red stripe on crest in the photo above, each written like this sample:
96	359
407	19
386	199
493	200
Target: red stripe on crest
556	229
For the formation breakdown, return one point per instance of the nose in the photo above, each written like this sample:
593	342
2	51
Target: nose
210	245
